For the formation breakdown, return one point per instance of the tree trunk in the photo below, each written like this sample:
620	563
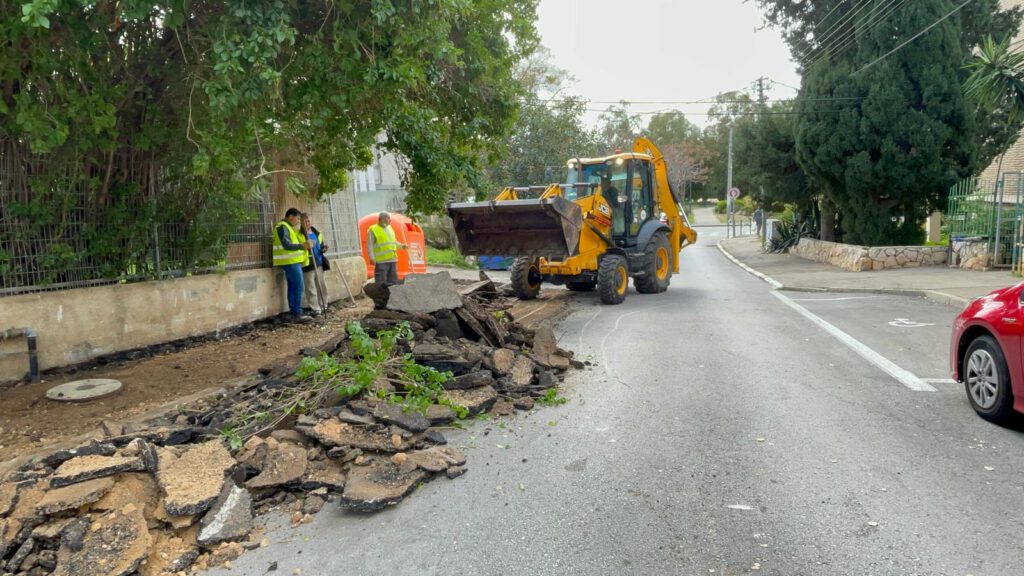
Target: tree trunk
828	220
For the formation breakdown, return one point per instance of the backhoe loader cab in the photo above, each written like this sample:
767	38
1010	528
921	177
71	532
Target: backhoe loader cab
613	219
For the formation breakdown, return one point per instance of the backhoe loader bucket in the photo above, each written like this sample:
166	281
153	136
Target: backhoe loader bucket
548	227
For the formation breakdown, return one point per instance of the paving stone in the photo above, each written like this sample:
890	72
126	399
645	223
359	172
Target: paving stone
95	449
82	468
115	545
71	497
437	458
435	437
327	474
393	414
285	464
230	517
439	415
471	380
378	484
192	481
475	401
359	419
425	293
334	432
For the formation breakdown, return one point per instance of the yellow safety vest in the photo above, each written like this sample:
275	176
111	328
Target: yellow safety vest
385	247
284	257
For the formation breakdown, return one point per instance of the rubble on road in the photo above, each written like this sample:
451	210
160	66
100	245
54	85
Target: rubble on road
183	490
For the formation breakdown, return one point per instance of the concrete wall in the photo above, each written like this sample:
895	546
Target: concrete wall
82	324
863	258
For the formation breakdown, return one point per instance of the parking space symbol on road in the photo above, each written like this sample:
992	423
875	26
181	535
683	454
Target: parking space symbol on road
908	323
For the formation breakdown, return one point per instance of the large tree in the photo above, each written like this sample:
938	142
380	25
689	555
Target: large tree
883	129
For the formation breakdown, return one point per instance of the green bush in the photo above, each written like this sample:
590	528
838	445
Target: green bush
721	207
447	257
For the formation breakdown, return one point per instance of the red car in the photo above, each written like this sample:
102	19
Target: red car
985	353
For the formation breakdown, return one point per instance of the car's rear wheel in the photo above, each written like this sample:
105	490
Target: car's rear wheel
987	380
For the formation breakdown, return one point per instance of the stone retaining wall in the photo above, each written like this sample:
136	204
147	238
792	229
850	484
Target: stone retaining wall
863	258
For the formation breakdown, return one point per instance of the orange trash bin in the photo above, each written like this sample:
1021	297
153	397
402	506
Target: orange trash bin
412	260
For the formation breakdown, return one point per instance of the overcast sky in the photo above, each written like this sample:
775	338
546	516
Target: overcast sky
663	50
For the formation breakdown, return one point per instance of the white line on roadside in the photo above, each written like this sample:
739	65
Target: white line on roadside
771	281
832	299
906	378
939	380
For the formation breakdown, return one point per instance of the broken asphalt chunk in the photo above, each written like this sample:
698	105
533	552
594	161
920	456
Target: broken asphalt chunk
83	468
192	481
229	518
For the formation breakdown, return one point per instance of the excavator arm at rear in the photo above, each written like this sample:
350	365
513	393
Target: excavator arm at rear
682	234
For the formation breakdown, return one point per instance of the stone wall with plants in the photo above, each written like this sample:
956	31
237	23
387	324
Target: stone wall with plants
864	258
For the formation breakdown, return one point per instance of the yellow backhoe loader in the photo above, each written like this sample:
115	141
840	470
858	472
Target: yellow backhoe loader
615	217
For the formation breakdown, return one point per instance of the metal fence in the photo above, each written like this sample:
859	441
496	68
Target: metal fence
53	240
989	211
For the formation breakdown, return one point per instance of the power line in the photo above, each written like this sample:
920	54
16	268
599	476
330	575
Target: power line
874	21
914	37
751	102
838	26
849	37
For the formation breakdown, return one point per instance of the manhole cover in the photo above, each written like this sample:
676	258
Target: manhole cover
82	390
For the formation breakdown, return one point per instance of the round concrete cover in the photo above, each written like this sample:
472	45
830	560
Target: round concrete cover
83	390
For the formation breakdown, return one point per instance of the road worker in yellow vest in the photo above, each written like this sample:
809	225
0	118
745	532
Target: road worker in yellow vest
383	249
291	253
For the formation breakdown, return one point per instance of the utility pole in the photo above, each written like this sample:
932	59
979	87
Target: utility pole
762	98
731	218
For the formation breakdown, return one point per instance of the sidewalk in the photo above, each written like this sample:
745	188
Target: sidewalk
950	286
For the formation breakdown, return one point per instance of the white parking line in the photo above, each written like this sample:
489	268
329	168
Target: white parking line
939	381
832	299
906	378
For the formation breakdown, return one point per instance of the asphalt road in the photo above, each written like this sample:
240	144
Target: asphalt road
720	432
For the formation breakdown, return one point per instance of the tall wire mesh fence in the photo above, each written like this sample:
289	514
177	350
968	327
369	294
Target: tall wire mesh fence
990	212
56	239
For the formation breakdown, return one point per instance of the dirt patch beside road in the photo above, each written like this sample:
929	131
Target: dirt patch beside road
29	422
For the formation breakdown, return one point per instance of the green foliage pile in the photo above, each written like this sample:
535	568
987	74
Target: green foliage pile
125	114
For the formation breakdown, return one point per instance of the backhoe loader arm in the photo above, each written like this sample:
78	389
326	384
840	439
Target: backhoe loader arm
667	199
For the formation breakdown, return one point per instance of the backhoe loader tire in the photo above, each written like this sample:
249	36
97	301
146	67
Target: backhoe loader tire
612	279
584	286
525	278
657	271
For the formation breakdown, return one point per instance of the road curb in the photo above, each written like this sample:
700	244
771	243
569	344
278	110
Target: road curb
933	295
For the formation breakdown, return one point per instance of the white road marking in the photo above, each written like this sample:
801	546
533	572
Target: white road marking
939	381
739	507
771	281
908	323
903	376
832	299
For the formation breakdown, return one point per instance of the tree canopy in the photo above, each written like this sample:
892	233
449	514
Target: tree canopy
214	90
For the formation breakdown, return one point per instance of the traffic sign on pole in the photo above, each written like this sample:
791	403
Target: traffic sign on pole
734	192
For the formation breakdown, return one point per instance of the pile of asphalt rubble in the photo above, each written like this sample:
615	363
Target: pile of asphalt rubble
169	497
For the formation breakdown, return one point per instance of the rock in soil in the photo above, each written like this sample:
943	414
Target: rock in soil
313	504
377	485
502	360
230	517
192	481
83	468
394	414
425	293
284	465
71	497
114	545
475	401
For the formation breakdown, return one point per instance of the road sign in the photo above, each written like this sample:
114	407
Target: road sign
734	193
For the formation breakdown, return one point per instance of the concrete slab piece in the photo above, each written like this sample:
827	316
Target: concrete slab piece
230	517
193	481
425	293
84	390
